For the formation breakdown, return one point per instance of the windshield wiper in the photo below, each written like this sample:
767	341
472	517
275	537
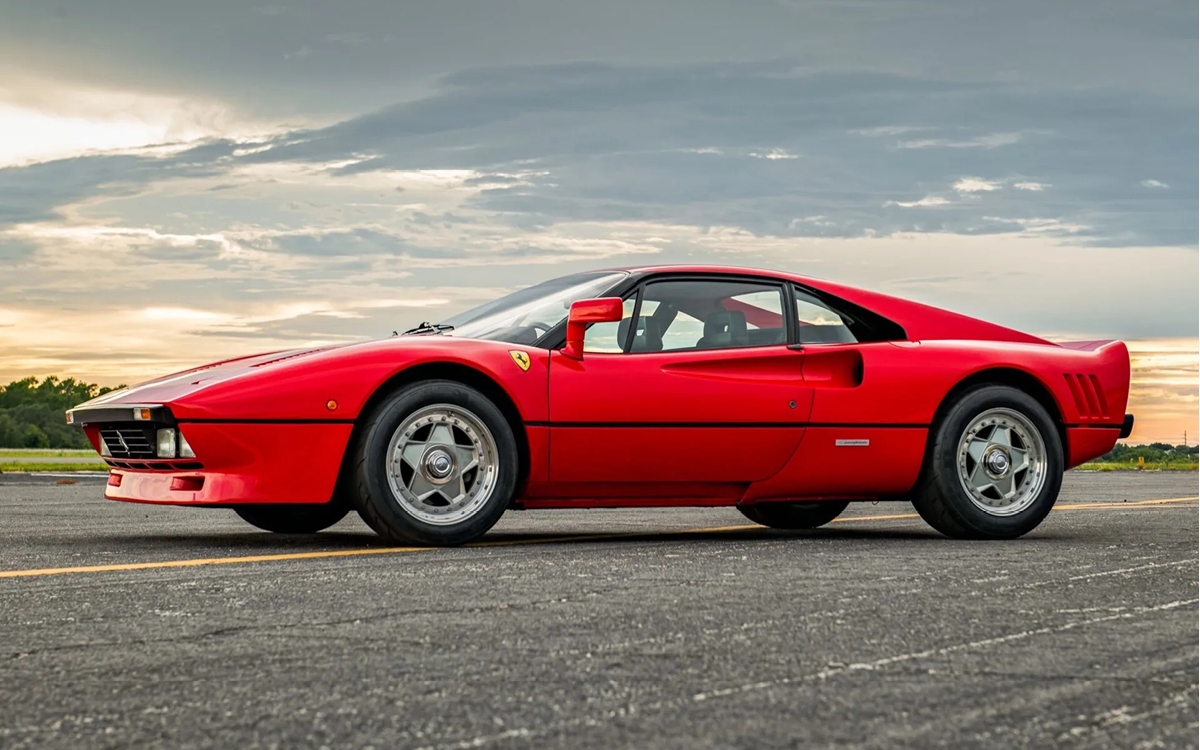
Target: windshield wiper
429	328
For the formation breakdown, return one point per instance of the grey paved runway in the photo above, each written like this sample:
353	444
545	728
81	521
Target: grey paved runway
602	629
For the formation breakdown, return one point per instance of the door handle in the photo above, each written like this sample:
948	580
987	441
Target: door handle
796	347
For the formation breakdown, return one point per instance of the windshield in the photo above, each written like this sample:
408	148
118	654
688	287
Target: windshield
525	316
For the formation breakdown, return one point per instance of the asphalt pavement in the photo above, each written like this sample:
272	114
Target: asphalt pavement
131	625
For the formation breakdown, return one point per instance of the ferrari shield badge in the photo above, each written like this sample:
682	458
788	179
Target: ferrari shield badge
521	358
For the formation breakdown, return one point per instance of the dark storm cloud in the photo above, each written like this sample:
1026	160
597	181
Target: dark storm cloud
695	144
356	243
35	192
359	242
292	57
774	147
882	103
491	180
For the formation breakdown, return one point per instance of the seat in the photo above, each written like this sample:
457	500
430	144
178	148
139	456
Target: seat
825	334
724	328
646	338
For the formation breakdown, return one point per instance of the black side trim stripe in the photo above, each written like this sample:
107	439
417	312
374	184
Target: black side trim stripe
659	425
720	425
266	421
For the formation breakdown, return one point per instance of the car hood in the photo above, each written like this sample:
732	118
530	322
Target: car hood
258	384
173	387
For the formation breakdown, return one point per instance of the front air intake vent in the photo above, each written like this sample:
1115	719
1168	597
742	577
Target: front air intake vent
129	442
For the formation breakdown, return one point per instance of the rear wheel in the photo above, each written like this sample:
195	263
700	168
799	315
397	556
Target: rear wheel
293	519
436	463
793	515
994	468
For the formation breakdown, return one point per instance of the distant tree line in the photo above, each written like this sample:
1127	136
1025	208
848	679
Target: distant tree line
1156	453
33	414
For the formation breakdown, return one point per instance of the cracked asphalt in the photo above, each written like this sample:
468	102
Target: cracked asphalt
617	628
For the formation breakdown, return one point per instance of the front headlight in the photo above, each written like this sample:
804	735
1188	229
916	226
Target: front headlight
166	442
185	450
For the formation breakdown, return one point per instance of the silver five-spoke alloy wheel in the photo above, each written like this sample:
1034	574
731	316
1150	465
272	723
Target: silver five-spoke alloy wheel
442	464
1002	462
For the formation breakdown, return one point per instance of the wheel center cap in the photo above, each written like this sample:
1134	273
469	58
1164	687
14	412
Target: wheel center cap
996	462
438	465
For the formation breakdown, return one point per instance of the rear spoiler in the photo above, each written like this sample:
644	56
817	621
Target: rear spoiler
1086	346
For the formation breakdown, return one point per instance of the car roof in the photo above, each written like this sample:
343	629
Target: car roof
919	321
744	270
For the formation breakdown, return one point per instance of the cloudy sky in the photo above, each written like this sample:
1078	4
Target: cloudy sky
186	181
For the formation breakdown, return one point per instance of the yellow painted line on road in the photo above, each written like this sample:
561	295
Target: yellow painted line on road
1090	506
875	518
1074	506
207	561
500	543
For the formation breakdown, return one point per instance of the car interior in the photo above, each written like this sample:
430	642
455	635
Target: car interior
679	315
694	314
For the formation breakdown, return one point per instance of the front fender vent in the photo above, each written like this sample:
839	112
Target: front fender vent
293	355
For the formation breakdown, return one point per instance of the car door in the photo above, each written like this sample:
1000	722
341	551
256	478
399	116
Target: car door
696	385
865	436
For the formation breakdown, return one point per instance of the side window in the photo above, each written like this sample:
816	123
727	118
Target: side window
764	315
609	337
708	314
818	324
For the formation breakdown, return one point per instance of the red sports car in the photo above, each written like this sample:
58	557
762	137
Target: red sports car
784	396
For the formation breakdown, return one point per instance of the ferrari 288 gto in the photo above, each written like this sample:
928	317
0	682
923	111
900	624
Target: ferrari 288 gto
784	396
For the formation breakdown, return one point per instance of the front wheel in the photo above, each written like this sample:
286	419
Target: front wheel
793	515
293	519
436	464
994	468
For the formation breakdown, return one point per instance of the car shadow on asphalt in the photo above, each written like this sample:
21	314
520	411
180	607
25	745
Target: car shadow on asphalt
260	543
667	536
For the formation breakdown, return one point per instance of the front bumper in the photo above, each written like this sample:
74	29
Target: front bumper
279	462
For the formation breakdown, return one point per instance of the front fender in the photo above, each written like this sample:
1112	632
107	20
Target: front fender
335	385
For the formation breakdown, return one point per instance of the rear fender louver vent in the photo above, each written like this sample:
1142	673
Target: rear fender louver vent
1088	394
1098	390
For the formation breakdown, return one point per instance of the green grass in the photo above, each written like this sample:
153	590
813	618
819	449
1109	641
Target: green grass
45	453
25	467
1174	466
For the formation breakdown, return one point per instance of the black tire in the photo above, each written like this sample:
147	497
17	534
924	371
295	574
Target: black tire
293	519
373	496
940	497
794	515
